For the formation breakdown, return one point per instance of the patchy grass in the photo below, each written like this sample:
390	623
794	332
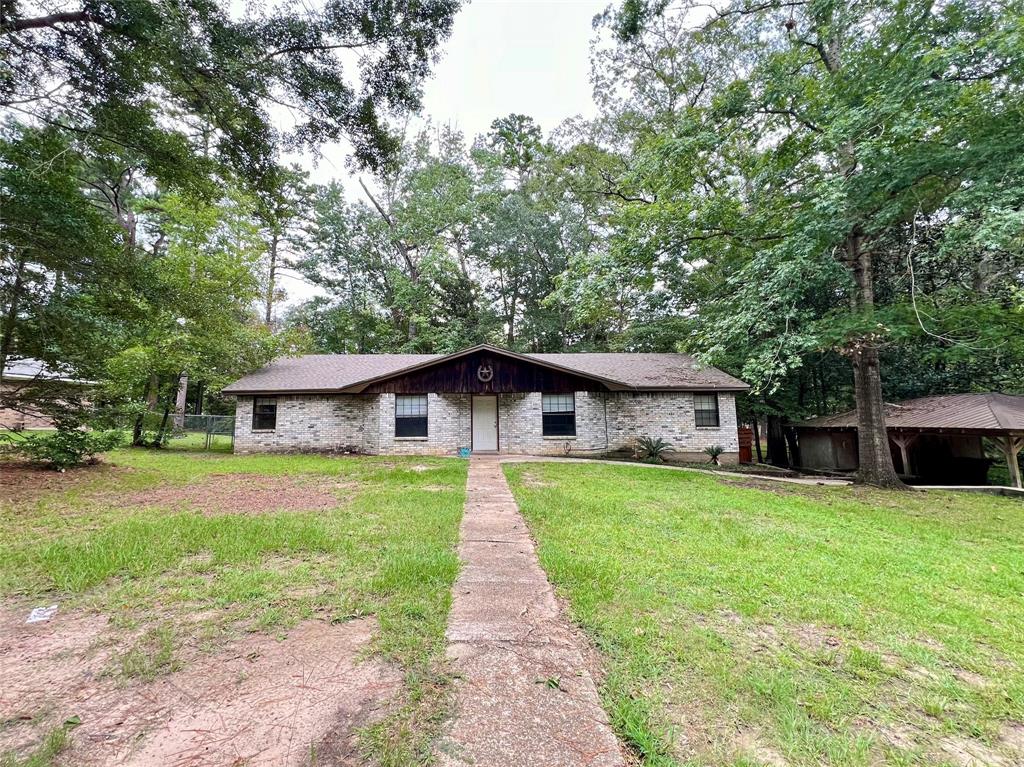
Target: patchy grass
791	625
152	655
54	744
121	541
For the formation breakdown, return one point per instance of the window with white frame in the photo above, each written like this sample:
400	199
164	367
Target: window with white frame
411	415
559	415
705	410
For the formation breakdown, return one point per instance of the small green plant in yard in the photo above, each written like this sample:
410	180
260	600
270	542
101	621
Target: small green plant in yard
714	452
652	449
54	744
803	625
63	448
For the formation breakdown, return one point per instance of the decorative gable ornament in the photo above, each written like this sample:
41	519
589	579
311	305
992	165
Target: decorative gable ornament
485	373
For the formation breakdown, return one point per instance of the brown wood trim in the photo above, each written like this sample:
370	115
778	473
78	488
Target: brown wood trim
608	383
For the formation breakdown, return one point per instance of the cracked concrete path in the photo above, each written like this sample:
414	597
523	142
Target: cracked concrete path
524	695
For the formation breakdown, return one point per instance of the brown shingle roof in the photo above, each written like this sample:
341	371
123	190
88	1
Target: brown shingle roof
323	372
972	412
647	370
337	372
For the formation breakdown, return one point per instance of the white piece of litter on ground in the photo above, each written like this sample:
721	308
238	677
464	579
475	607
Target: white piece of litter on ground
40	614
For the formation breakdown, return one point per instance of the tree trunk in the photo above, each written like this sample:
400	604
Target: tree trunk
152	391
7	342
159	441
757	439
777	443
271	279
874	455
181	401
789	432
150	395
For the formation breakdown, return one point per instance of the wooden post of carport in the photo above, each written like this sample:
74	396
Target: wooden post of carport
903	442
1011	445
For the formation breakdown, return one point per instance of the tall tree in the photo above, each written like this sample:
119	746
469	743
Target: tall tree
202	269
823	132
396	266
285	201
62	265
166	78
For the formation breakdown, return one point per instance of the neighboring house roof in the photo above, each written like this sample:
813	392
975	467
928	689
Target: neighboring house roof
353	372
968	412
29	369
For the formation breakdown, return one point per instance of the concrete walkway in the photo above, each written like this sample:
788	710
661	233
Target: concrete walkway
523	692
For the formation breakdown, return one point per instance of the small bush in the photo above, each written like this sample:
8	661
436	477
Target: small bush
652	449
714	452
65	448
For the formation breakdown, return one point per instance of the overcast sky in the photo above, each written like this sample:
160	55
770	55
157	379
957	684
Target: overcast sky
525	56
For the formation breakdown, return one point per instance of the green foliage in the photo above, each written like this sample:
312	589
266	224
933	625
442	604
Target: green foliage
652	449
758	146
136	194
64	447
62	270
190	85
713	452
455	248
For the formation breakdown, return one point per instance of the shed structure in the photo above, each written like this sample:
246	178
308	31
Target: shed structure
934	440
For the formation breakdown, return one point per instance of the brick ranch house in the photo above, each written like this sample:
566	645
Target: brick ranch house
26	374
486	399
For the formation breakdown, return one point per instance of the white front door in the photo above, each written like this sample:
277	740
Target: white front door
485	423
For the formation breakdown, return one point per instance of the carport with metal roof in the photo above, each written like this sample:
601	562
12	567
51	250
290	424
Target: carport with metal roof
946	430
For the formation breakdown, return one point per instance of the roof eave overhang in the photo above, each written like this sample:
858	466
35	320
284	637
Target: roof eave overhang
694	388
360	386
964	430
14	377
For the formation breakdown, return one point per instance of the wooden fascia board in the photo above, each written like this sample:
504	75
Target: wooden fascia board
609	383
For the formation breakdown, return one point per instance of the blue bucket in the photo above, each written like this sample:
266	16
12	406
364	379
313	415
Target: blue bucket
464	452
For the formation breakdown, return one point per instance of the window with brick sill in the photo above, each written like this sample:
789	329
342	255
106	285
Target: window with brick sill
558	416
705	410
264	414
411	416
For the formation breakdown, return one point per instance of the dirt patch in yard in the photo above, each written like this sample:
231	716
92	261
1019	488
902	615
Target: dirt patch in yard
242	494
260	700
954	750
21	481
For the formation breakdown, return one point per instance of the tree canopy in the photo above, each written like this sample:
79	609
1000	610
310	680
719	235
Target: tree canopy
822	198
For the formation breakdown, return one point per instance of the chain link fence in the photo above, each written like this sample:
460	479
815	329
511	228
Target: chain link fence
194	432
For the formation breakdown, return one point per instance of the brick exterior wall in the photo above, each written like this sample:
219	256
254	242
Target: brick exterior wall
18	419
605	422
669	415
310	423
448	427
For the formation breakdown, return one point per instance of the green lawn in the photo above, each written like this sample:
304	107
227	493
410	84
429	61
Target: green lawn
790	625
118	540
